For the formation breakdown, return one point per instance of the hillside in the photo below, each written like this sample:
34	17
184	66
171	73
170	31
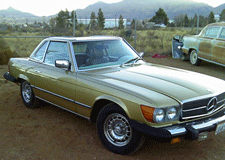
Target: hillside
12	15
130	9
146	8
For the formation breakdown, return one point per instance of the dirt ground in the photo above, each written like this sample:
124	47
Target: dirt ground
51	133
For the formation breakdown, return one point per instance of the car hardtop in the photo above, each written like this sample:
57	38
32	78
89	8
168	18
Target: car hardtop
78	39
217	24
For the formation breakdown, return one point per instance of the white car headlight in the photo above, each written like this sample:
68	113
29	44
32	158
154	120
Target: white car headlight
159	115
171	113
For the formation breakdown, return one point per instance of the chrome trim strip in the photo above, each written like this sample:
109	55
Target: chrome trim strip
70	100
63	108
221	101
188	110
212	61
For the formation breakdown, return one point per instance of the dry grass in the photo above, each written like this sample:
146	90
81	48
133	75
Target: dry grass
148	41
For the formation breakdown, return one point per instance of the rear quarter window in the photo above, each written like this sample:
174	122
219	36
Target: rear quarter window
222	34
212	32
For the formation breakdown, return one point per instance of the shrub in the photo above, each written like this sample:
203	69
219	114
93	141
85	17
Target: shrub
5	52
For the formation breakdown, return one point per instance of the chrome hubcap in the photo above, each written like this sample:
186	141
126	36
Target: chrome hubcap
194	57
26	92
117	129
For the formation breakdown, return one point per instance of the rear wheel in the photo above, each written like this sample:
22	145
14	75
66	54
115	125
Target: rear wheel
115	131
194	58
27	95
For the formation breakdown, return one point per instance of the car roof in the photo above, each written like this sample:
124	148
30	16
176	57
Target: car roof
217	24
91	38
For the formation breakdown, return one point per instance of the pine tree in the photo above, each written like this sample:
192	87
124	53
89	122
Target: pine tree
222	15
211	17
160	17
62	20
186	21
93	23
101	19
121	26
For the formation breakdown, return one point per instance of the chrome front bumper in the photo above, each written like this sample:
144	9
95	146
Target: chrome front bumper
195	128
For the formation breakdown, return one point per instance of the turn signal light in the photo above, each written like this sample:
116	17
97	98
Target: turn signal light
175	140
148	112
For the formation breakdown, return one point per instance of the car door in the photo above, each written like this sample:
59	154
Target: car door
206	42
218	52
56	85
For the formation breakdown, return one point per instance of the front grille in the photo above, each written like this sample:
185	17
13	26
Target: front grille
202	107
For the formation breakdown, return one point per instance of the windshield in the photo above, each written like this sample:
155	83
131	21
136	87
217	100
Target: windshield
95	54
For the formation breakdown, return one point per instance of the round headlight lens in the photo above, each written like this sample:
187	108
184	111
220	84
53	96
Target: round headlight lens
172	112
159	115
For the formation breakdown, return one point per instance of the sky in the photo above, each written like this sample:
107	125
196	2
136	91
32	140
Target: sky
51	7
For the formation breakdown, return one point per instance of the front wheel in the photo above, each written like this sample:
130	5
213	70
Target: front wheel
115	131
27	95
194	58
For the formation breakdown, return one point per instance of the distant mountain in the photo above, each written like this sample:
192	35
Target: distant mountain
146	8
219	9
11	15
129	9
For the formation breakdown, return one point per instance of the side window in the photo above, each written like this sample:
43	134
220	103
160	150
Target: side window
56	50
212	32
222	34
80	48
40	53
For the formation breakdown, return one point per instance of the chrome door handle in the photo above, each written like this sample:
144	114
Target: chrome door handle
37	71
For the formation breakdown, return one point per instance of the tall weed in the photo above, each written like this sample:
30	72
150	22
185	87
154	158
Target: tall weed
148	41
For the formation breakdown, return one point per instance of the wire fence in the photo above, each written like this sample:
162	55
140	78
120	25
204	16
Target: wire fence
24	36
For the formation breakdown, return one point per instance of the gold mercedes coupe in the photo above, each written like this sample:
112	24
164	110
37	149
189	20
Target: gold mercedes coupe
106	81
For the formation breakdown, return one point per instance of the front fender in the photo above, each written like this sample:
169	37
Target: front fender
22	76
114	100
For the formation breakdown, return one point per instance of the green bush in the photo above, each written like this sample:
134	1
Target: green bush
5	52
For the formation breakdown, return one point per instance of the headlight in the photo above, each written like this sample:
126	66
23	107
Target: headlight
171	113
159	115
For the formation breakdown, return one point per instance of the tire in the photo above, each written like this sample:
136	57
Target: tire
194	58
27	95
185	57
115	131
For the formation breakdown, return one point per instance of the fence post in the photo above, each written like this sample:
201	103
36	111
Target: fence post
135	34
74	24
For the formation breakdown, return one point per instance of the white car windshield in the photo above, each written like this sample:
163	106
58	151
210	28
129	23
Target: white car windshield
95	54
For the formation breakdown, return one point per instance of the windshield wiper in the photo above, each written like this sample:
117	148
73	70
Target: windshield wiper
131	60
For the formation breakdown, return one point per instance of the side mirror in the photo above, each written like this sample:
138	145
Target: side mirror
141	54
65	64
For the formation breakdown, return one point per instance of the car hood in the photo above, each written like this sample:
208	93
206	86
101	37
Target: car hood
174	83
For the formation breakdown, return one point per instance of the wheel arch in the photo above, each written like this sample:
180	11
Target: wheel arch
191	49
101	102
23	77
